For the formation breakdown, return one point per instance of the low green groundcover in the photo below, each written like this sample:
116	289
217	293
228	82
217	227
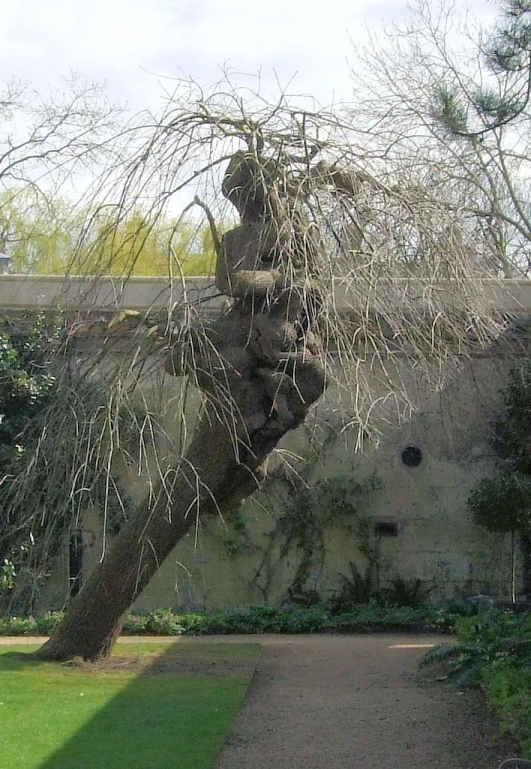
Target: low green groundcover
263	619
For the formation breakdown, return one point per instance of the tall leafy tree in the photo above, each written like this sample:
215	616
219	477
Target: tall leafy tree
502	502
59	237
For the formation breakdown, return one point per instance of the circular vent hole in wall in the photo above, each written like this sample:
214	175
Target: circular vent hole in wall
412	456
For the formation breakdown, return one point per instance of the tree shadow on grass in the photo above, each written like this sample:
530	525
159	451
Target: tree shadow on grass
174	714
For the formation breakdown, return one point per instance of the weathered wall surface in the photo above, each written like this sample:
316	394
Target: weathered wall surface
399	521
417	524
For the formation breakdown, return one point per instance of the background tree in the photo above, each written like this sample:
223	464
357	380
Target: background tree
502	503
51	142
446	104
37	232
458	97
138	246
57	236
502	99
48	137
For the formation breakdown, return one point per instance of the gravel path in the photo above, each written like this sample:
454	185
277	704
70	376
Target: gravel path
356	702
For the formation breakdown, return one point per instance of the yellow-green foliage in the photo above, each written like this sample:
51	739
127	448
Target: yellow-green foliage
53	238
136	246
38	234
508	689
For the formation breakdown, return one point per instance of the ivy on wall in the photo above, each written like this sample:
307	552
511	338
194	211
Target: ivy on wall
303	515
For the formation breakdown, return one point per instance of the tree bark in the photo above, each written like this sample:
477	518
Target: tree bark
211	479
260	363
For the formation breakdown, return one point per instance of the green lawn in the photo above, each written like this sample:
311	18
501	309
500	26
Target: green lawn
172	712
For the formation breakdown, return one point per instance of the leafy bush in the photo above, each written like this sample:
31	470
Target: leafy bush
404	592
18	626
135	624
46	624
26	387
508	689
26	383
375	618
277	619
444	619
55	453
359	589
7	574
494	650
260	619
484	642
263	619
513	428
355	589
163	622
502	503
29	625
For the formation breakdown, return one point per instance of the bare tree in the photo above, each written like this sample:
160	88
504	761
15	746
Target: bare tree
446	104
50	136
333	260
49	142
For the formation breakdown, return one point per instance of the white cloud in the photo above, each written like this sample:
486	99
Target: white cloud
127	42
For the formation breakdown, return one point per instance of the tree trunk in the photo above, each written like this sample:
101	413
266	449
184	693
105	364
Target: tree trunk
260	363
211	479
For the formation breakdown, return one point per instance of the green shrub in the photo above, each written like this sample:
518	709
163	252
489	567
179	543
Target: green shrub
404	592
163	622
7	575
494	650
18	626
484	642
160	622
135	624
46	624
375	618
508	689
267	619
258	619
274	619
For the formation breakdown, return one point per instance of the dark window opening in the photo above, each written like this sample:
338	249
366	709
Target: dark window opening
386	528
412	456
75	562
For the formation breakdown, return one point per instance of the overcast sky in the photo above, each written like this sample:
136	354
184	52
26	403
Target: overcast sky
132	44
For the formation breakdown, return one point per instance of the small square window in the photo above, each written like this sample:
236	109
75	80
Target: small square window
386	528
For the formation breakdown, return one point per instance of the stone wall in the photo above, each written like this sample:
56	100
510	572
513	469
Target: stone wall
416	520
402	520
